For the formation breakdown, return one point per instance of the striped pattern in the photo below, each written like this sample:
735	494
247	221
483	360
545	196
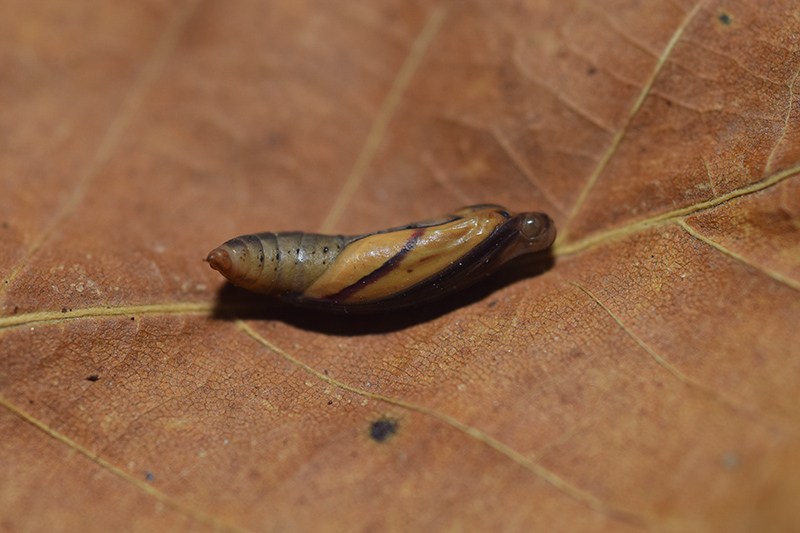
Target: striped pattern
386	269
380	265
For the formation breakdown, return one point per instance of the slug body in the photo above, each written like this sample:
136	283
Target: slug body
385	270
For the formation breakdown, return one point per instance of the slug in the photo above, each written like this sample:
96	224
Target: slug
385	270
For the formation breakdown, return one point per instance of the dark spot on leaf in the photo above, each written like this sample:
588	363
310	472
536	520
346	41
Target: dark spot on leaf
63	309
93	377
149	476
725	19
5	225
730	460
330	402
276	139
492	304
591	71
382	429
325	250
133	318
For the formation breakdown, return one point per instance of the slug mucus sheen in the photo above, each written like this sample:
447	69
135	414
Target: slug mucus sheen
385	270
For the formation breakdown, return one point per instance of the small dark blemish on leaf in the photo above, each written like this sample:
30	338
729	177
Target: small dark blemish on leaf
730	460
382	429
591	71
576	353
5	225
63	309
492	304
133	318
149	476
275	139
93	377
330	402
725	19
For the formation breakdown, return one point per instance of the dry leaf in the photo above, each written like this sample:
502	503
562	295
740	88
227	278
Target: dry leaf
643	378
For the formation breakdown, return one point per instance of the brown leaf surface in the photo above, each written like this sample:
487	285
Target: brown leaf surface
645	379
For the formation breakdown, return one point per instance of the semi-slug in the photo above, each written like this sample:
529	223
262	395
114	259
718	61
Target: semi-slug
388	269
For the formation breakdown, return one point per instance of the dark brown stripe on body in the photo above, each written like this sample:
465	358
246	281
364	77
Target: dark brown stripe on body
460	274
378	273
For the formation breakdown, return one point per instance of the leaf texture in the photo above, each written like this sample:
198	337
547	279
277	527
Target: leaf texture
642	377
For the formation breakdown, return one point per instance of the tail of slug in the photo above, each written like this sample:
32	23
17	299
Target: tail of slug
275	263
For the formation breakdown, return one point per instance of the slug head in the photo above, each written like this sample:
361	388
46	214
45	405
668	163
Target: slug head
537	232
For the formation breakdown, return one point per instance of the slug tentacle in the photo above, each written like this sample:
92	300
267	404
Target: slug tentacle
388	269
